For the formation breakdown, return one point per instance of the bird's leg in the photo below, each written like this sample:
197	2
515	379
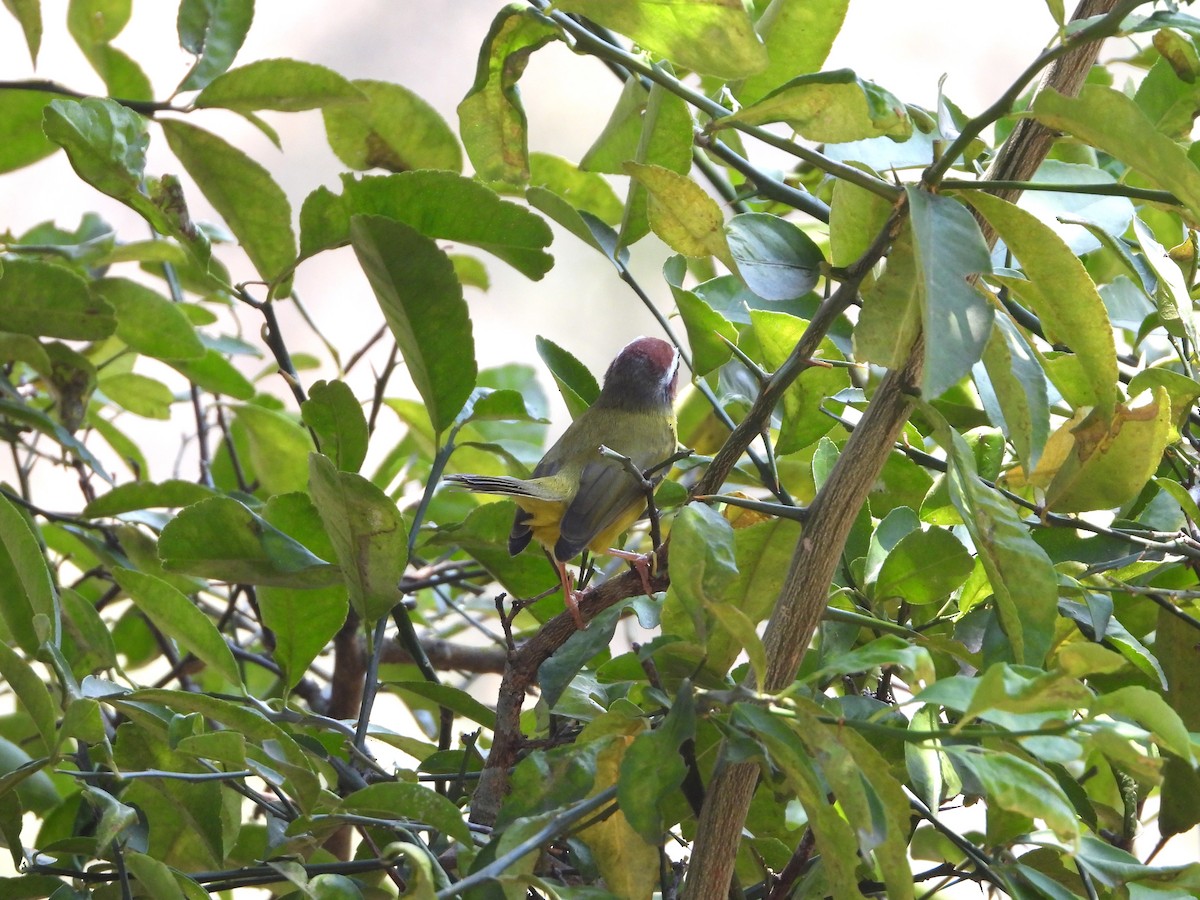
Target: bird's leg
570	596
642	562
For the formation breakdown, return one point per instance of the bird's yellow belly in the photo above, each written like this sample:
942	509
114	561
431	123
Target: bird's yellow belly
544	518
607	538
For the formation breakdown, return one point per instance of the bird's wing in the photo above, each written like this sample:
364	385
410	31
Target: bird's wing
606	490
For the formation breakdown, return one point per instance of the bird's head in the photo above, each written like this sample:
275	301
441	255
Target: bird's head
644	374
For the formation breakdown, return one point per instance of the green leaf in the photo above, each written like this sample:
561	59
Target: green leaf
94	24
423	304
892	307
303	622
288	85
88	641
214	373
279	448
1022	577
585	191
222	539
155	876
148	322
413	802
367	532
46	300
924	567
835	837
741	632
762	552
682	214
28	602
702	549
1110	121
1152	712
705	326
393	129
228	177
776	259
1174	646
628	864
32	693
106	144
926	286
139	394
950	253
1012	387
455	699
336	418
213	32
578	386
180	619
593	232
1091	462
491	117
929	769
856	216
35	418
22	141
712	37
834	107
652	769
29	14
484	535
1061	293
1171	294
440	205
1170	103
650	126
1013	784
803	421
798	36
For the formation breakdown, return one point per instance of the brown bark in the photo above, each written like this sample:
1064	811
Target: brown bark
805	591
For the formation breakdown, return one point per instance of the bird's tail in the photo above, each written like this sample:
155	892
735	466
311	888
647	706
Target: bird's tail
501	484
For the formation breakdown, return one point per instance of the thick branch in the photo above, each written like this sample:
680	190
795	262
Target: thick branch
520	676
819	551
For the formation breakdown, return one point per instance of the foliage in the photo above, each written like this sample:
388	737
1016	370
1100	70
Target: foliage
197	663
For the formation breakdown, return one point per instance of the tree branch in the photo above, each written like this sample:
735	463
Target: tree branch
831	514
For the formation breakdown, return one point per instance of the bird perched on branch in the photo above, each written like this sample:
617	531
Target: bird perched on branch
580	497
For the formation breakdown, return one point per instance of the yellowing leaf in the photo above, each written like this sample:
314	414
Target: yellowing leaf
713	37
629	865
1060	291
834	107
1095	463
687	219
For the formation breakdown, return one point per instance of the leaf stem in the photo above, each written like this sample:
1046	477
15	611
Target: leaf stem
1099	189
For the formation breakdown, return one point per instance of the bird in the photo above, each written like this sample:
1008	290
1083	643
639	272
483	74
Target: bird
579	498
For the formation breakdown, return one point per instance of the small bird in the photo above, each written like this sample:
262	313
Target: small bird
578	498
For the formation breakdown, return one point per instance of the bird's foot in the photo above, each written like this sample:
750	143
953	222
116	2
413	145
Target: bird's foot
570	595
643	563
572	600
